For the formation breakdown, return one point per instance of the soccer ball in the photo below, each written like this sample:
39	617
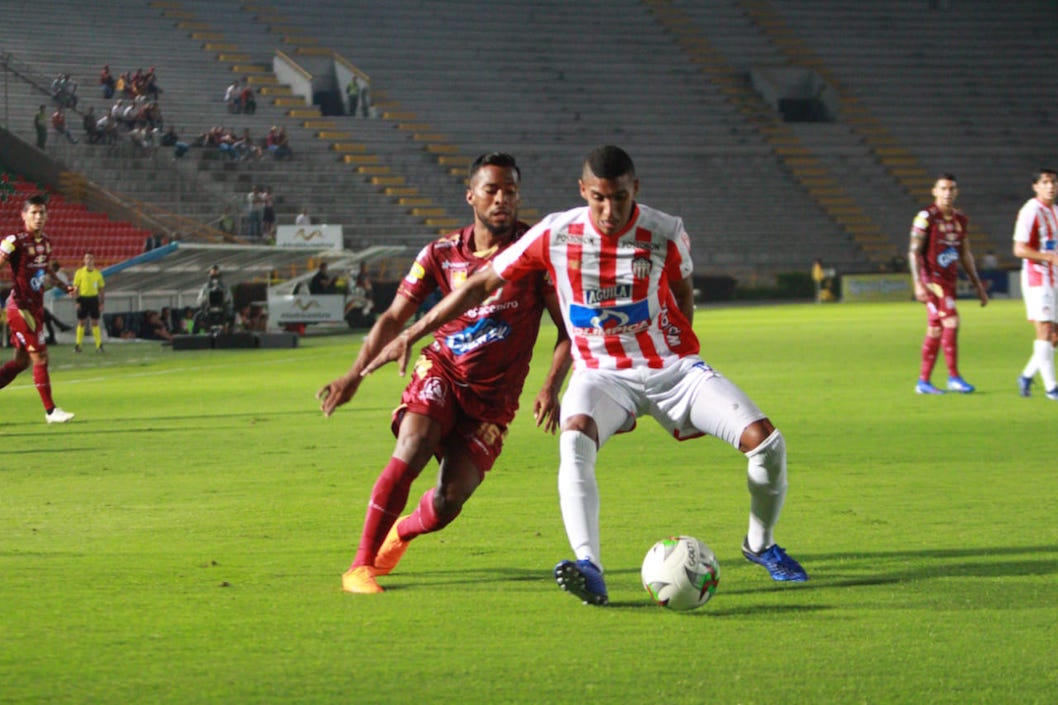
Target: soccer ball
680	573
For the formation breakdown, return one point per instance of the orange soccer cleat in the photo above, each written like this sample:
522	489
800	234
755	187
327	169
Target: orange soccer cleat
391	551
361	580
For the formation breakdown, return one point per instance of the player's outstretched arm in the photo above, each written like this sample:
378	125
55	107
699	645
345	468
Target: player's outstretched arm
475	290
386	328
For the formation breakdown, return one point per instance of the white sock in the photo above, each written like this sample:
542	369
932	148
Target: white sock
1044	355
1032	366
578	494
766	478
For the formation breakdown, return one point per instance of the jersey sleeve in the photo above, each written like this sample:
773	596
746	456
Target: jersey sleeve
1025	225
528	254
420	281
920	225
678	263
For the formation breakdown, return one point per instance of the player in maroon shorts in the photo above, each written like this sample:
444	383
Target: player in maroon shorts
939	242
465	387
29	254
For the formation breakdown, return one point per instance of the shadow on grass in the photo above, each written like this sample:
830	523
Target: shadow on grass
826	571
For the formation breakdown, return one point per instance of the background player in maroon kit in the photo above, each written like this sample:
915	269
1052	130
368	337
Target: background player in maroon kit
939	242
465	387
29	254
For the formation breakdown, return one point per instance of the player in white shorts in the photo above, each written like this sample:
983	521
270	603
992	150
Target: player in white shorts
1035	239
622	271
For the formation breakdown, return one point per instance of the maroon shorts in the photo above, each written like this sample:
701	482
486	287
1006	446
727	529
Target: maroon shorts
432	395
27	329
940	303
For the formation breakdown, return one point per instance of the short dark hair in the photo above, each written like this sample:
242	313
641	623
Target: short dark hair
610	162
37	199
500	159
1041	172
946	176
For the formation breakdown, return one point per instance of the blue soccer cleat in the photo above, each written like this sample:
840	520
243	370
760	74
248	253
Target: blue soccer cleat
1025	386
583	580
1052	394
960	385
779	565
924	387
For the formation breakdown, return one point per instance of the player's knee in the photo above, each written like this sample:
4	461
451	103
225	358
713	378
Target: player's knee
755	434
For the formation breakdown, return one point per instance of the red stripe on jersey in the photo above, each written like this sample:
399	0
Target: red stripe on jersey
608	280
574	261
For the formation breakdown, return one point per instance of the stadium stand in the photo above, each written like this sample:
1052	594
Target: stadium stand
673	81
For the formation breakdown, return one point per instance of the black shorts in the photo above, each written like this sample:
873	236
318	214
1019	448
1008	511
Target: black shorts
87	307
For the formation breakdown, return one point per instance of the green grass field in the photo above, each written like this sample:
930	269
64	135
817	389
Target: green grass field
181	541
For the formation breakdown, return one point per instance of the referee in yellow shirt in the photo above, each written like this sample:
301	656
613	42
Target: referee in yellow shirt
89	284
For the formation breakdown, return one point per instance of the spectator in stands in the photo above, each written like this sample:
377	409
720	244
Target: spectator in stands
254	211
107	128
150	84
170	138
268	215
91	131
106	83
321	282
245	147
352	95
58	123
303	217
247	99
232	97
64	91
278	143
40	124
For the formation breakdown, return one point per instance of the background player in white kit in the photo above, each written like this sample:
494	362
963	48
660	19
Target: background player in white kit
622	271
1035	235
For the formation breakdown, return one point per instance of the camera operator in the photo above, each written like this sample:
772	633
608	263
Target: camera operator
216	304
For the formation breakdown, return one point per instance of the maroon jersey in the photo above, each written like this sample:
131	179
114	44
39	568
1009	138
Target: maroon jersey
29	257
486	351
944	238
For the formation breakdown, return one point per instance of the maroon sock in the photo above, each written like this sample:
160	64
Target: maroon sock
424	519
43	382
8	372
949	341
388	498
930	346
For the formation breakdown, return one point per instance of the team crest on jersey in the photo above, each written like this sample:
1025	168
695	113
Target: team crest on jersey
641	266
458	278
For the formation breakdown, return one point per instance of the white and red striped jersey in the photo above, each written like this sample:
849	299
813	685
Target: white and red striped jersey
614	291
1037	226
